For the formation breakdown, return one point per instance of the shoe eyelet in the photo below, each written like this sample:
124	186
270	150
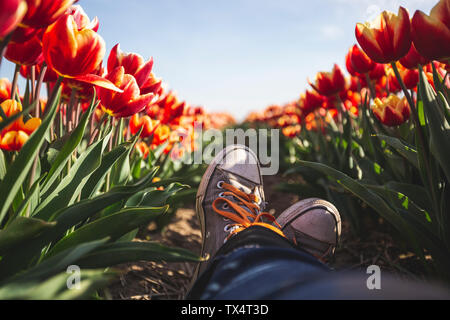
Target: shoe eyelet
228	228
226	219
219	184
225	206
221	195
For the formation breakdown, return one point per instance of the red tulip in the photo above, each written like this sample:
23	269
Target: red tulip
132	63
413	59
310	101
391	111
42	13
431	34
74	50
11	13
388	38
360	62
28	53
378	72
5	89
124	104
329	84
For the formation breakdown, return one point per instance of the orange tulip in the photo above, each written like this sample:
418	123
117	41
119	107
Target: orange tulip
291	131
387	38
143	149
11	13
391	111
413	59
329	84
27	54
126	103
431	34
15	135
149	126
161	135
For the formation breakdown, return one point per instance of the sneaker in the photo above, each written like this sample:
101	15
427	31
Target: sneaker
230	198
313	225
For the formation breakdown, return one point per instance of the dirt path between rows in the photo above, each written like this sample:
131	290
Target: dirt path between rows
163	281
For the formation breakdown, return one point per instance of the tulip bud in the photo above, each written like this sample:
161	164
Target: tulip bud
391	111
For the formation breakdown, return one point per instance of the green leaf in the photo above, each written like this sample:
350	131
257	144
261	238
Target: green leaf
70	145
60	261
113	226
158	198
67	218
120	173
55	288
96	180
440	134
123	252
22	230
70	187
369	197
405	150
2	165
19	169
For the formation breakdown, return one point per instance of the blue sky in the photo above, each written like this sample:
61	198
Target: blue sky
237	56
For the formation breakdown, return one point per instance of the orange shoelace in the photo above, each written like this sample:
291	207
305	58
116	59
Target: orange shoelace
241	216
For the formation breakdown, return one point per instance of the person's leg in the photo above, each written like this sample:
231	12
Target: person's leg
229	205
240	258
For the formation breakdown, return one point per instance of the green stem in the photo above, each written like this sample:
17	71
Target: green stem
37	93
15	80
371	87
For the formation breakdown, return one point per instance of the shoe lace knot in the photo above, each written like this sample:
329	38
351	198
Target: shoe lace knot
238	201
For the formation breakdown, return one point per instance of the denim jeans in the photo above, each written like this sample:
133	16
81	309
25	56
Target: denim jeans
258	264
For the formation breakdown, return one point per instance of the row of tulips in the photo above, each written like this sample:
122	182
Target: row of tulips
379	139
84	166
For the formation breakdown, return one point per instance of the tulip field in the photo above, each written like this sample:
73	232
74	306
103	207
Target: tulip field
91	142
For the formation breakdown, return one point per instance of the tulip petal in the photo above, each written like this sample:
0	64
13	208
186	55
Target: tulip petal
431	37
144	73
99	82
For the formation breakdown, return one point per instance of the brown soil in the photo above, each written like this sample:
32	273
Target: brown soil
162	281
